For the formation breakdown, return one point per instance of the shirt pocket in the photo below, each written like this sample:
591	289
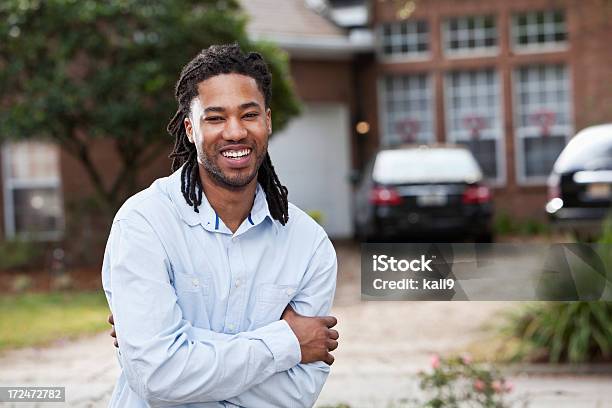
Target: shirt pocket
271	301
192	293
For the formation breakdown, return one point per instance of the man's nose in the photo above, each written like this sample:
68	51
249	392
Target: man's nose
234	130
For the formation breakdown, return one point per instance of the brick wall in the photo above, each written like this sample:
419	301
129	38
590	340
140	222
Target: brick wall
588	57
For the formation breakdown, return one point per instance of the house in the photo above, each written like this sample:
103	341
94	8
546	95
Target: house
512	81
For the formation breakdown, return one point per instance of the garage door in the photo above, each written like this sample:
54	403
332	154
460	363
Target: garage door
312	159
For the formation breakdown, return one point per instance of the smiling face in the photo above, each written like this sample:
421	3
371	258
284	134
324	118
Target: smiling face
229	125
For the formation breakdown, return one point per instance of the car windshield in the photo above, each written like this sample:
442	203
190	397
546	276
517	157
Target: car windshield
422	165
587	151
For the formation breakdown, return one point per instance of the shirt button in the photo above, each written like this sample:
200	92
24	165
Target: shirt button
238	282
234	239
196	282
290	291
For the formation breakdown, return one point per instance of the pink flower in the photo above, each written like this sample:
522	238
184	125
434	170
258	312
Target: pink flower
497	386
479	385
509	386
466	358
435	361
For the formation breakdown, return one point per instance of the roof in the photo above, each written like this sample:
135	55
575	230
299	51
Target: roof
299	29
288	18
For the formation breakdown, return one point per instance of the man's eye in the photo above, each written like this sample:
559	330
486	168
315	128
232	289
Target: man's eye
214	119
251	115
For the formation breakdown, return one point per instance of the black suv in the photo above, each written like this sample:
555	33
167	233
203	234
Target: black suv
580	185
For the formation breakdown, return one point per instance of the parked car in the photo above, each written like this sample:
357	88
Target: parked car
423	192
580	185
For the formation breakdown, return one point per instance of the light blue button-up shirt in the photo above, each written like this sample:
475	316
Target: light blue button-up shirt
197	308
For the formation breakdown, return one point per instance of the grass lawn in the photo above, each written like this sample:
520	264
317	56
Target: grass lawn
38	318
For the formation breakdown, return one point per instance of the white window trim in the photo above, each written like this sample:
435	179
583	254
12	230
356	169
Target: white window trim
520	133
539	48
478	52
535	48
9	186
500	145
382	106
403	58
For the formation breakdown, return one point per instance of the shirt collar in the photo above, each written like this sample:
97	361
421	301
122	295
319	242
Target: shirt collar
207	215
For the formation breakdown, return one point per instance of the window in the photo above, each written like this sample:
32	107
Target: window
473	117
467	35
404	39
407	110
543	122
32	190
539	30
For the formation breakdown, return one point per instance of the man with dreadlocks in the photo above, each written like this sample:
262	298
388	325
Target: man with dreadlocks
219	287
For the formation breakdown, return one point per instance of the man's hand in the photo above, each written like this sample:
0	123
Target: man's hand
113	333
315	334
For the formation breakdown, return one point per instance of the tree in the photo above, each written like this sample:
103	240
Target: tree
73	71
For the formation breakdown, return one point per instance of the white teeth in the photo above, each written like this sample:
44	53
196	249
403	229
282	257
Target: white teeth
236	153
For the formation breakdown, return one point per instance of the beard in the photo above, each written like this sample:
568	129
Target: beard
209	162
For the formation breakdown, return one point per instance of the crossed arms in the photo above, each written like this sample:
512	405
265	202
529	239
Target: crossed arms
167	361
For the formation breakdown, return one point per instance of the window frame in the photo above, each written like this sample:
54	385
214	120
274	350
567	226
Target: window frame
385	139
402	57
476	52
497	131
10	185
523	132
554	46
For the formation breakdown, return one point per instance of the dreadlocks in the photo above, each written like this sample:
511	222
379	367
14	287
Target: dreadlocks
217	60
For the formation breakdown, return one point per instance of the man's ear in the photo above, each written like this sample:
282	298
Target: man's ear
188	129
269	121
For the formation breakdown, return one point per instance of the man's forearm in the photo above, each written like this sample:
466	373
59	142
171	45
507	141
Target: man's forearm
202	371
297	387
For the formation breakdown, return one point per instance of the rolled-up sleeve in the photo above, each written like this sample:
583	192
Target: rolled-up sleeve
300	386
163	361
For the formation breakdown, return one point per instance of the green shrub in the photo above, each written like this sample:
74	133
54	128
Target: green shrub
17	254
606	231
505	224
564	331
567	331
533	227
